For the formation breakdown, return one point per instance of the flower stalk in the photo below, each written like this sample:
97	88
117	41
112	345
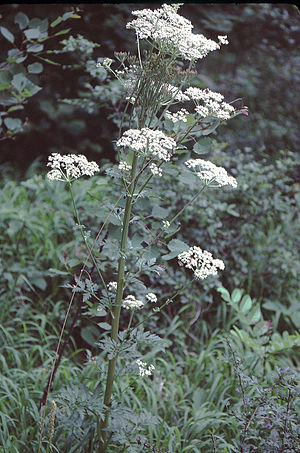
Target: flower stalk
118	303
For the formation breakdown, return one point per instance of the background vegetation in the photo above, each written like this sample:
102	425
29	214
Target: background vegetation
205	398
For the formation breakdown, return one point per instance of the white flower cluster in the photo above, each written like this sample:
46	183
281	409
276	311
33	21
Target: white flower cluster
107	62
131	303
178	116
200	262
155	170
151	297
124	166
144	369
196	94
112	286
173	33
166	224
213	105
70	166
223	39
148	142
210	173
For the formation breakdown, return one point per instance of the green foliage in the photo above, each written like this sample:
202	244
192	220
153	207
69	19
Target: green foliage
17	84
193	386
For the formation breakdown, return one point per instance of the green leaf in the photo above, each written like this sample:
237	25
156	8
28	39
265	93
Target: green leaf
176	247
50	61
56	22
19	81
5	77
21	58
101	313
104	325
224	293
246	304
15	107
254	315
211	127
35	68
13	124
67	15
90	335
232	212
62	32
22	20
32	33
159	213
204	146
190	120
272	306
34	48
53	272
236	295
12	53
40	282
9	99
4	86
7	34
43	26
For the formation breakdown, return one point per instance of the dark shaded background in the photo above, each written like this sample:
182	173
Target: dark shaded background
261	65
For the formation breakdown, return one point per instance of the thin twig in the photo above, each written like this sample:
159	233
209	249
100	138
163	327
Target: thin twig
214	440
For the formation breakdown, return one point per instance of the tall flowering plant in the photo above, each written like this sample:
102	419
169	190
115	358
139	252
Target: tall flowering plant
164	118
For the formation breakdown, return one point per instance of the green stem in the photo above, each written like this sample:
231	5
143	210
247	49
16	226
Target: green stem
186	205
118	304
86	243
130	320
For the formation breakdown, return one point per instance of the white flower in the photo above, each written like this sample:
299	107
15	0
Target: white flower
144	369
202	111
124	166
213	105
210	173
201	262
178	116
151	297
223	39
107	62
148	142
131	303
172	33
196	94
166	224
70	166
112	286
155	170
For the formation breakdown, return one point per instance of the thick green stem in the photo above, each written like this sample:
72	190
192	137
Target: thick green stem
118	304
